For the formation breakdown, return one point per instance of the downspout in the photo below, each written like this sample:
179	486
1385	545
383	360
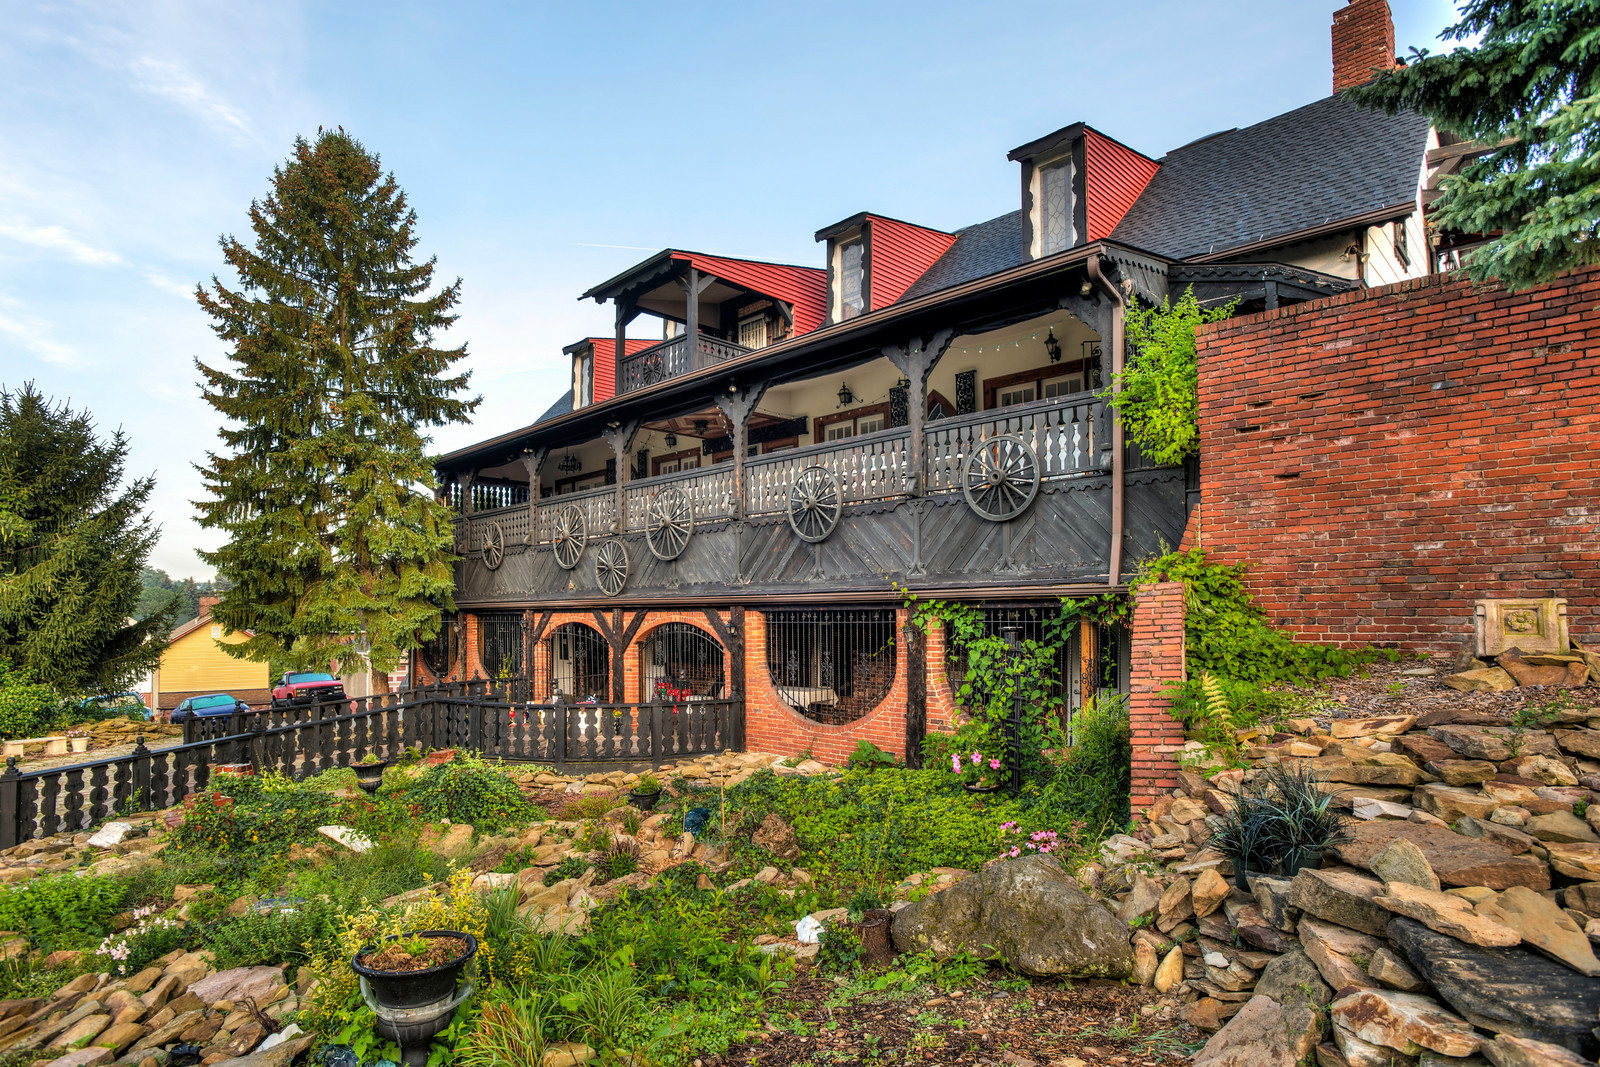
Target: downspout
1118	474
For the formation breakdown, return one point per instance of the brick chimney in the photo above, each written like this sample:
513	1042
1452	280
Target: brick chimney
207	603
1363	42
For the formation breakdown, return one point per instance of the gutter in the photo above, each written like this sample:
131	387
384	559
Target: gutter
1353	222
1118	466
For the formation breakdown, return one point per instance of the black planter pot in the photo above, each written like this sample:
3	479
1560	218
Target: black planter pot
1242	875
644	801
369	776
413	989
981	790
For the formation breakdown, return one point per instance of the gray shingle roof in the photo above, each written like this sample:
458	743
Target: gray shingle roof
560	407
1317	164
981	249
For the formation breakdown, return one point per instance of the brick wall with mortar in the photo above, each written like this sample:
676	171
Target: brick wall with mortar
1363	39
1385	457
1157	663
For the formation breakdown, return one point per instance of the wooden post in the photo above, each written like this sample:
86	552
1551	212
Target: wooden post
466	483
620	437
656	719
916	692
1088	661
11	803
533	462
692	331
916	361
737	405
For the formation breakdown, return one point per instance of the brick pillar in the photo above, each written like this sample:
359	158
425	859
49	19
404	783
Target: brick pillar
1157	663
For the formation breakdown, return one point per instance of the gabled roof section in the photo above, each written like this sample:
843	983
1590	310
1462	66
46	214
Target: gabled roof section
978	250
563	406
1114	176
805	288
1311	167
194	624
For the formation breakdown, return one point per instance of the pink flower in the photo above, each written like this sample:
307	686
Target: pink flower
994	765
977	758
955	763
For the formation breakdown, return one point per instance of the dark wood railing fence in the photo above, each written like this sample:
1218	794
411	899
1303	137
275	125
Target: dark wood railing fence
300	741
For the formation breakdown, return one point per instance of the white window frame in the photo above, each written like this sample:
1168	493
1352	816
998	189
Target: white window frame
749	339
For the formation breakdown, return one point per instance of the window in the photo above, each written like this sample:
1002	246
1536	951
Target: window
580	668
682	662
753	332
500	644
674	464
439	651
216	632
850	278
1063	386
832	666
869	424
1017	394
583	379
1055	207
840	430
1402	250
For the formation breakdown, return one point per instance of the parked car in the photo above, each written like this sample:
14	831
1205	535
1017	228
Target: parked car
113	705
306	687
208	707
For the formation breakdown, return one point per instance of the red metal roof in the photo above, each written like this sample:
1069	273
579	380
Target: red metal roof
1114	177
605	362
901	253
804	287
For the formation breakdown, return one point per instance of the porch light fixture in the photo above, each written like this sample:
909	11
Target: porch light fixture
1085	289
846	397
672	440
570	464
1052	346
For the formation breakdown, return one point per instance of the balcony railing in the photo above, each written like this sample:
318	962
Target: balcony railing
672	358
1069	435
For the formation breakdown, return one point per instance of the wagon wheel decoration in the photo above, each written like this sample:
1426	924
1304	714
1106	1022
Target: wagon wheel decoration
668	522
494	546
814	504
611	567
1001	477
571	535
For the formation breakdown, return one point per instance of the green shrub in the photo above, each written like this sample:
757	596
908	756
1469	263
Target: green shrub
620	860
1092	781
1227	634
289	935
468	790
1280	821
62	911
571	867
1158	391
27	708
868	755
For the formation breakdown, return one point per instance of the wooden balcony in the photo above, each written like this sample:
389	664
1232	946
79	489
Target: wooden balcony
886	530
671	359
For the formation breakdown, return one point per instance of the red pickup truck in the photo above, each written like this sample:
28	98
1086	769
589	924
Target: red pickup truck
306	687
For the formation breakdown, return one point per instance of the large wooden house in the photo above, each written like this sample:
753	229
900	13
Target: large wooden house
736	508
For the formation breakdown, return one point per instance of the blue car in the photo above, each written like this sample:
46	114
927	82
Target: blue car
208	707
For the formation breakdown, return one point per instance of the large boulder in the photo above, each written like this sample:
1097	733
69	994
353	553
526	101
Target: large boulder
1026	912
1504	990
1264	1033
1458	860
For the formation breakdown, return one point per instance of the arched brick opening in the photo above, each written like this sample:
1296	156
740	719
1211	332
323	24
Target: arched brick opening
676	659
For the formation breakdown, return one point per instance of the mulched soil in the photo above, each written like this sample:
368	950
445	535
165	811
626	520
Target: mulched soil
1386	690
394	958
1097	1022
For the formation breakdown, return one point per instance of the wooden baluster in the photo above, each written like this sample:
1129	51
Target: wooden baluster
49	798
121	788
157	770
97	794
28	809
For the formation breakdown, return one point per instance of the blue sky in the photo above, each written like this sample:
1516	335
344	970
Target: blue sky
546	147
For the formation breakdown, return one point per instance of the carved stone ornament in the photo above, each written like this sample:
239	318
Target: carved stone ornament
1533	625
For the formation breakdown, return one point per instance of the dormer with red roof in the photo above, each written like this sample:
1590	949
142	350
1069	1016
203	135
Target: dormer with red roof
594	368
714	308
873	260
1077	183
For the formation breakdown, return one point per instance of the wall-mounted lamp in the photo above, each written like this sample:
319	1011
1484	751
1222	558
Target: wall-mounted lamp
1086	288
846	397
671	439
903	384
1052	346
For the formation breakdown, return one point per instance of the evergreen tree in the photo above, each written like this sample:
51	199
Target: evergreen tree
72	546
1533	81
323	489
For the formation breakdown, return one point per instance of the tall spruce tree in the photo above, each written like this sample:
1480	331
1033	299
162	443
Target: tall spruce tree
1533	80
323	489
73	543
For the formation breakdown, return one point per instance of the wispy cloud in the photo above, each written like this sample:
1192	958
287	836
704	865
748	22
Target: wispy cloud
57	239
32	334
169	284
172	81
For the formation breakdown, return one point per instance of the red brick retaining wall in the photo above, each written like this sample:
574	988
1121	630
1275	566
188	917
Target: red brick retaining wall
1157	663
1385	457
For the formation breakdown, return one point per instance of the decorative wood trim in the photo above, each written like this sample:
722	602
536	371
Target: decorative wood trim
935	396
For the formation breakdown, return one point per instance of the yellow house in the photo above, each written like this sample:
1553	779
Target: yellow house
195	665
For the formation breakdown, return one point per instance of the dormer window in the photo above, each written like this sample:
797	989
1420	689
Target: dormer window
1055	207
851	299
753	332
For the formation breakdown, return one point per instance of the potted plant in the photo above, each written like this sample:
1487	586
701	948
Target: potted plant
645	792
1281	821
415	970
78	740
369	772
